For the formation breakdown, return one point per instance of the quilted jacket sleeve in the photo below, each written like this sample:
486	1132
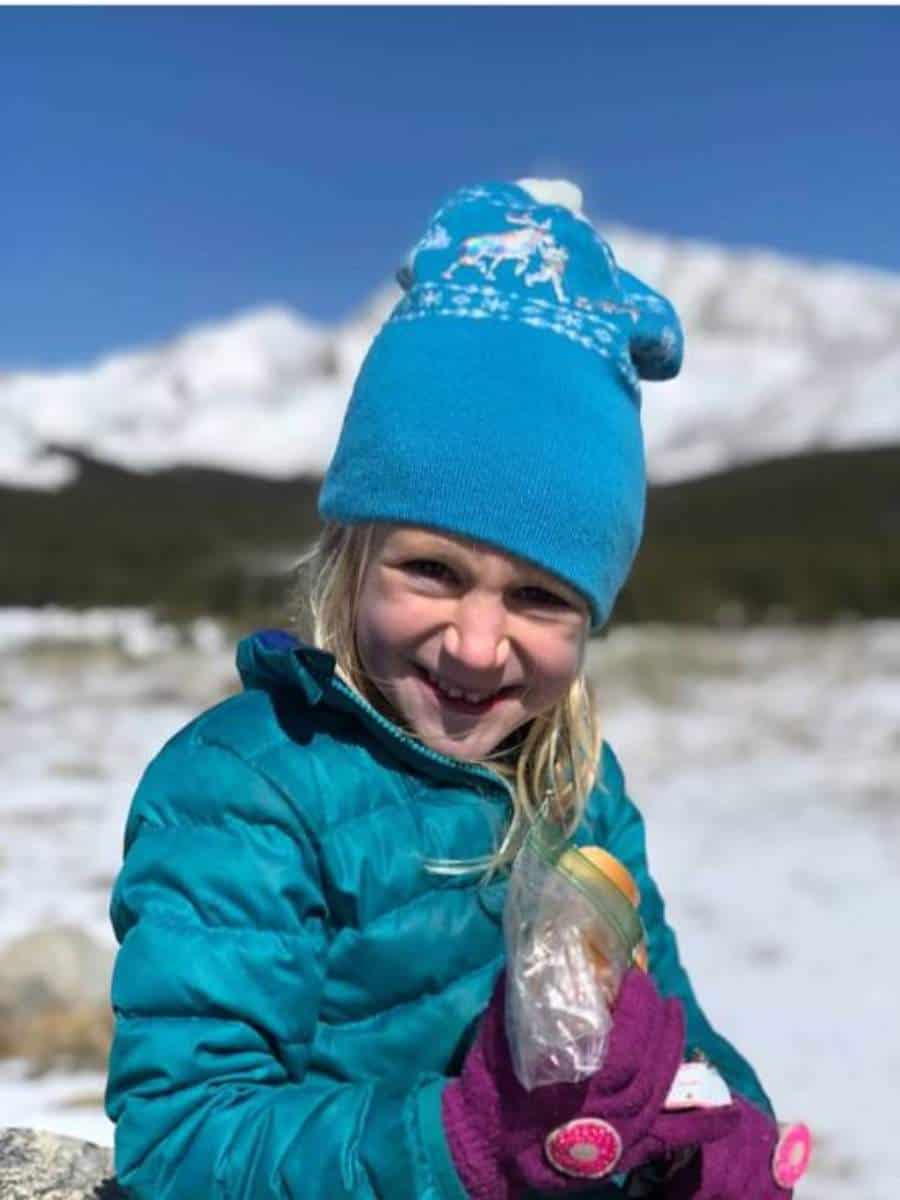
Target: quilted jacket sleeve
223	932
626	839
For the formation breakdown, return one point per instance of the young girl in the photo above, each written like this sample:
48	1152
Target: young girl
309	991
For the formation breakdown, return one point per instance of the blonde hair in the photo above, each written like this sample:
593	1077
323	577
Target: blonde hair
556	760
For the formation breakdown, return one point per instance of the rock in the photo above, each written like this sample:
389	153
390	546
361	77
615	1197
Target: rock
54	1000
35	1165
58	1039
57	967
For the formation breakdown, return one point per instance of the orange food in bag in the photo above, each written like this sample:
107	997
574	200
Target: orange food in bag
619	875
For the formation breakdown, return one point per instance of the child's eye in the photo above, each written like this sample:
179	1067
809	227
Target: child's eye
429	567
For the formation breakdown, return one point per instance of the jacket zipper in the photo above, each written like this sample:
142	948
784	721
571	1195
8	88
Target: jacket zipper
393	732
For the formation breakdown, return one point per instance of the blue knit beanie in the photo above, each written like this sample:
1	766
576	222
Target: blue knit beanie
500	401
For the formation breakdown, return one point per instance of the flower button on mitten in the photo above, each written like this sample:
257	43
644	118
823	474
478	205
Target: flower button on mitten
562	1137
754	1162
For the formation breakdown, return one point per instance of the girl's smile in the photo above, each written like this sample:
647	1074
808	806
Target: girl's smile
464	643
460	700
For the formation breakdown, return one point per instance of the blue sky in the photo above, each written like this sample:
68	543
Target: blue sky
164	166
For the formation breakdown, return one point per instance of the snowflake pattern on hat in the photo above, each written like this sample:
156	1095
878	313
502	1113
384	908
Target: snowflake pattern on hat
595	328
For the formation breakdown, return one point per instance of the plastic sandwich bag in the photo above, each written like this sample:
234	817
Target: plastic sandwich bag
570	935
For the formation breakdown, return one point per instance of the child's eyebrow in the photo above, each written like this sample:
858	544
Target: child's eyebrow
424	546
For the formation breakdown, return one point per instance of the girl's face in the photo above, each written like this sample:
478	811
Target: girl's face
439	613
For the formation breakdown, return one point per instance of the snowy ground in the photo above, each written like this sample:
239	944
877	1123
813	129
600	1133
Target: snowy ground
767	765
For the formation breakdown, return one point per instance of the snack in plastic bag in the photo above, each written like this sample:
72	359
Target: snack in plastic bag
571	932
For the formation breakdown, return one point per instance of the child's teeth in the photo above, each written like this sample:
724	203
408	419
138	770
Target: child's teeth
455	693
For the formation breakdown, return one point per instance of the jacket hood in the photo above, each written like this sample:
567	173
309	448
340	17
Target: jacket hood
273	657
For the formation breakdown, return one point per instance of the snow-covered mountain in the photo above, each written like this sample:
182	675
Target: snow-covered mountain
782	357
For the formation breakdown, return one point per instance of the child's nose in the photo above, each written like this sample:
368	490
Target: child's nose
477	639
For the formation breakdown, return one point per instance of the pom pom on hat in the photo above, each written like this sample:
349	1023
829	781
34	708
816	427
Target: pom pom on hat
555	191
501	399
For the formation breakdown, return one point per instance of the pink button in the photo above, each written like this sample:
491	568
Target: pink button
587	1148
790	1157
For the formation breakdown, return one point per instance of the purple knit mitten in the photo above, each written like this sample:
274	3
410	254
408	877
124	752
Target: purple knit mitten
562	1137
746	1164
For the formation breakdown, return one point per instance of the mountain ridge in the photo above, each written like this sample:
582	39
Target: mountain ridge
783	357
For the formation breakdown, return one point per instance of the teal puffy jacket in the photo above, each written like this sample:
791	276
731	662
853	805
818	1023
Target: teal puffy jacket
292	987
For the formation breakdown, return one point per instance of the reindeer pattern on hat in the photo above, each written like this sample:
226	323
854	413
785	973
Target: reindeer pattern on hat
486	251
608	313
